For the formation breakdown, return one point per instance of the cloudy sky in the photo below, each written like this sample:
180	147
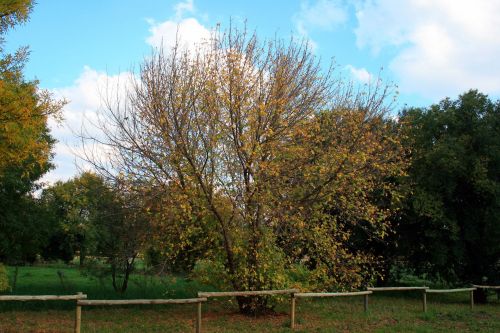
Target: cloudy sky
430	48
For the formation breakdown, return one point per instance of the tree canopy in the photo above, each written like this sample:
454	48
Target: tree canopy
451	224
224	143
25	141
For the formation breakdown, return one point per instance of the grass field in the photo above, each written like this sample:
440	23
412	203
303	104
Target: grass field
394	312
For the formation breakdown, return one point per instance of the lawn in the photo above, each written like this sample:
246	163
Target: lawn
394	312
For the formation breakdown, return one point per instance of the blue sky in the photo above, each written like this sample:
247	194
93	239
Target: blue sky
430	48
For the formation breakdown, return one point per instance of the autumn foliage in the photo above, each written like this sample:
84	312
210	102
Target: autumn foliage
254	160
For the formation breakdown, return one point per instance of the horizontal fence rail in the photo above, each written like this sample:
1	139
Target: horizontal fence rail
140	301
441	291
344	294
396	288
485	287
351	293
25	298
81	303
250	293
496	288
444	291
246	293
422	289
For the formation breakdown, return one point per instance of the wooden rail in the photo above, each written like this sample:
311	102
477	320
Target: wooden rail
497	288
352	293
250	293
422	289
485	287
442	291
396	288
246	293
25	298
140	301
196	301
345	294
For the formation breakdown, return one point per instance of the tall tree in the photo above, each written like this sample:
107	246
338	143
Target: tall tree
451	225
25	141
202	132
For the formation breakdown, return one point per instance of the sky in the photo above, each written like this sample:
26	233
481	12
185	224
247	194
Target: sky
431	49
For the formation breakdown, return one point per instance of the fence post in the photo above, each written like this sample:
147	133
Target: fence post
198	318
424	300
78	316
366	303
292	311
472	299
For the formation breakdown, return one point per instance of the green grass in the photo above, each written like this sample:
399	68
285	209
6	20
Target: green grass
388	312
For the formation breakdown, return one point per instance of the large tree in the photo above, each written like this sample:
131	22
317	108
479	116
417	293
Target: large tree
205	135
25	144
451	225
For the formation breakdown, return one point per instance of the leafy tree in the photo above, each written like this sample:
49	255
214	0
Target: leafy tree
204	134
77	205
338	194
451	224
25	145
95	219
122	232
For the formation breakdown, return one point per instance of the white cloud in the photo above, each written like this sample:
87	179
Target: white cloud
443	47
360	74
181	7
85	99
87	94
188	32
322	15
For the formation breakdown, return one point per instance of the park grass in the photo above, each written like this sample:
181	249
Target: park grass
388	312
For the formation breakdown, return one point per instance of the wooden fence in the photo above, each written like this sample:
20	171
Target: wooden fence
81	299
290	292
246	293
423	289
24	298
346	294
81	303
497	288
442	291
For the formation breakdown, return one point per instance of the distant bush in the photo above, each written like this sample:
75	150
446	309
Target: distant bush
4	278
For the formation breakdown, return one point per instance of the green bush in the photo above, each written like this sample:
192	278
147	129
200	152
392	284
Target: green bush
210	273
4	278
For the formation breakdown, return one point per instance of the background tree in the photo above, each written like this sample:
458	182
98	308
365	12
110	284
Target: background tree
202	132
451	225
96	219
78	206
25	145
122	230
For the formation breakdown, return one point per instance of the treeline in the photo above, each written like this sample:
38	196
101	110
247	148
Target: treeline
246	165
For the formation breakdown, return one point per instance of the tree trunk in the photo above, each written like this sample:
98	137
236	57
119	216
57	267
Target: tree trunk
14	282
113	277
82	256
128	269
